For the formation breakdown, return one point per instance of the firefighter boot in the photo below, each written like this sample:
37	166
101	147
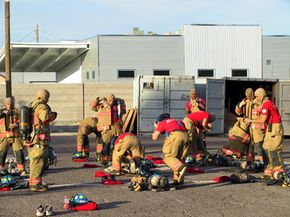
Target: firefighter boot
178	176
39	188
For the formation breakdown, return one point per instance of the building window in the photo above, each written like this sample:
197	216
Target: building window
158	72
87	75
93	74
204	73
126	73
239	72
268	62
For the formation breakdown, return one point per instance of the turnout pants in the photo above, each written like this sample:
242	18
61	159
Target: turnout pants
17	147
37	158
175	150
273	145
129	146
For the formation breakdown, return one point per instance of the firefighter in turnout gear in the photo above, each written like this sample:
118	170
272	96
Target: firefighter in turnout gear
86	127
176	145
239	140
250	108
10	135
273	141
194	103
39	146
196	123
129	148
109	123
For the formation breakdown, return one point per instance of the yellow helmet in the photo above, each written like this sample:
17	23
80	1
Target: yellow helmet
43	94
249	93
260	92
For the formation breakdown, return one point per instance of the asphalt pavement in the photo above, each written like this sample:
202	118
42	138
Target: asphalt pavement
200	195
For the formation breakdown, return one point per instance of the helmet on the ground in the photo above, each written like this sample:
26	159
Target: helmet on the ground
154	180
80	199
162	117
163	182
8	180
77	155
189	159
43	94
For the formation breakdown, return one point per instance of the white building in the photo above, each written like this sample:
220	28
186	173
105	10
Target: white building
216	51
202	51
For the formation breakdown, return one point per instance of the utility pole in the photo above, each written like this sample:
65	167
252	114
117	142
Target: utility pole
37	33
7	50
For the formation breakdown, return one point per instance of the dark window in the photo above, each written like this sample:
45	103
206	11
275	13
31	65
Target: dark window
268	62
93	74
126	73
161	72
239	72
87	75
205	73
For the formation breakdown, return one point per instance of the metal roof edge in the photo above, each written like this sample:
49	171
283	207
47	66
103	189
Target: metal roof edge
273	36
200	24
251	79
49	45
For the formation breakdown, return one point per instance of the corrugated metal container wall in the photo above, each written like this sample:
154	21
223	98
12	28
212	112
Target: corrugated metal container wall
276	57
143	54
222	48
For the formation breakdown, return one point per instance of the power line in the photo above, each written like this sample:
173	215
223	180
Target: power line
25	36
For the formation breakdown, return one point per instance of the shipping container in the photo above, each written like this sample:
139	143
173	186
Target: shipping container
154	95
222	95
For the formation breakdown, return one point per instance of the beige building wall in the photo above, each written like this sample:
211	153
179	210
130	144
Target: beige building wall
70	101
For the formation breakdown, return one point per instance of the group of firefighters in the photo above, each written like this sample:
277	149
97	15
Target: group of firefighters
258	128
37	145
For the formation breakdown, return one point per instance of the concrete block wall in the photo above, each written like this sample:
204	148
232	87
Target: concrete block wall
70	101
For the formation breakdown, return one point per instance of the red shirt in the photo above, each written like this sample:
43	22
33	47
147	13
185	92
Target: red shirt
188	105
170	125
198	117
115	112
122	136
270	110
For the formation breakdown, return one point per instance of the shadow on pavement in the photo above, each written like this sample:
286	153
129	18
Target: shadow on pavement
111	205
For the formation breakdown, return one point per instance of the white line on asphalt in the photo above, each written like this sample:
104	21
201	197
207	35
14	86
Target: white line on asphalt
76	184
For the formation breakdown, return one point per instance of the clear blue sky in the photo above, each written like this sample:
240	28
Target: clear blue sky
80	19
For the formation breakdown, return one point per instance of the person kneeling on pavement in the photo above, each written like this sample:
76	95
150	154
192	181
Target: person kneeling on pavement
176	144
239	141
127	147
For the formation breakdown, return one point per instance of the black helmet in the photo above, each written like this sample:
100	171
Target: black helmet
162	117
163	182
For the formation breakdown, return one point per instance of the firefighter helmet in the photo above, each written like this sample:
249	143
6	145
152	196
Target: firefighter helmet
260	92
162	117
43	94
80	199
8	180
249	93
